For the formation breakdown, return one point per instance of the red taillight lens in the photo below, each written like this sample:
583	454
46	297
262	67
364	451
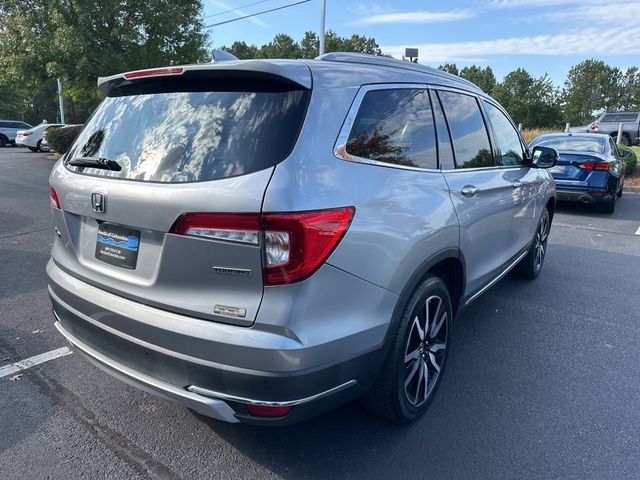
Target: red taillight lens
295	244
268	411
53	196
26	134
154	72
596	128
596	165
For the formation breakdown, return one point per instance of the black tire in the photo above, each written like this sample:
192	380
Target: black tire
32	149
41	148
620	191
608	206
4	141
626	141
531	265
424	342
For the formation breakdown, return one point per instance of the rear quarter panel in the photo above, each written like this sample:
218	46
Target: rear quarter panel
402	218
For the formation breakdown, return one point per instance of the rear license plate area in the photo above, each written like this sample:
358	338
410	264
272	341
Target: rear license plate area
117	245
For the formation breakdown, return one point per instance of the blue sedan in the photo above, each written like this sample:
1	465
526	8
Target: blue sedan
590	168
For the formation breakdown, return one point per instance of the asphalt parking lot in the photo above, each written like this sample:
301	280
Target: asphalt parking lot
543	380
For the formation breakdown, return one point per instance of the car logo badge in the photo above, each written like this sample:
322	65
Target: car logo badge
98	202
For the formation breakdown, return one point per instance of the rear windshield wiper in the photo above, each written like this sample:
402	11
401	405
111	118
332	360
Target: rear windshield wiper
96	162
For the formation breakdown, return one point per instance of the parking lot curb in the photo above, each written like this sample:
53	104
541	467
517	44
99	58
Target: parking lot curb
631	189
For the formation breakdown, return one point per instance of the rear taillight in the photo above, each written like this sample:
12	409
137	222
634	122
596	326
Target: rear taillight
241	227
155	72
53	196
26	134
294	244
595	166
596	128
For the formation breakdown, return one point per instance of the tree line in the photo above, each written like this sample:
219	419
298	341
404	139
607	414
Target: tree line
80	40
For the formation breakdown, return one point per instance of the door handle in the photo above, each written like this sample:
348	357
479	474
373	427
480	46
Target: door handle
517	184
469	190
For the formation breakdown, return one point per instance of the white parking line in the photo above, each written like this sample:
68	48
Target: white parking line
30	362
638	231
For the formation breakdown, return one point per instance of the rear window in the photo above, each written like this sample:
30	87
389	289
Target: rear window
620	117
573	144
179	137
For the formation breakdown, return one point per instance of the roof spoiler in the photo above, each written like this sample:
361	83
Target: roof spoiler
295	74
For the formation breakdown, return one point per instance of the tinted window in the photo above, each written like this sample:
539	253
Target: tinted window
21	125
468	131
192	136
5	124
395	126
445	152
572	144
620	117
506	137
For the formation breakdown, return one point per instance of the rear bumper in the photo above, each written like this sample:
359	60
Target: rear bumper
583	195
133	342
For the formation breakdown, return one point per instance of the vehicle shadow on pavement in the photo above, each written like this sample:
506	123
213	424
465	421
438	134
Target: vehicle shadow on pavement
624	209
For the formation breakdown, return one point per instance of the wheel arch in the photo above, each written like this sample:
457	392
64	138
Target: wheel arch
449	266
551	206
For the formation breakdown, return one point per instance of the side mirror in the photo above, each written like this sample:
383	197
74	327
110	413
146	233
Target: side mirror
544	157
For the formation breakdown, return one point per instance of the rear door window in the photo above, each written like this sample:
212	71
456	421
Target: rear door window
468	130
395	126
178	137
506	137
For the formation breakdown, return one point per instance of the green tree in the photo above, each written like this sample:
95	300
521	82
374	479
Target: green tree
451	68
482	77
310	45
242	51
80	40
282	46
592	85
530	101
631	89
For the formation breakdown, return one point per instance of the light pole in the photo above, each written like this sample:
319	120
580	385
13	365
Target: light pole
60	102
322	17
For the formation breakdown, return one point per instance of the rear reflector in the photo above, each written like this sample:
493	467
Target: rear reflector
268	411
154	72
53	196
595	165
294	244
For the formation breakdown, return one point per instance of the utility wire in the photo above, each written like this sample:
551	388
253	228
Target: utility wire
255	14
237	8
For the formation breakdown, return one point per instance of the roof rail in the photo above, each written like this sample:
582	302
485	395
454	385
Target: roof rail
366	59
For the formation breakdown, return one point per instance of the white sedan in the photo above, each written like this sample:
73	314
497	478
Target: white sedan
32	138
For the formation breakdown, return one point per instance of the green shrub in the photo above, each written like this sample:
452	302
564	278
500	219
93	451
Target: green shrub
632	160
60	139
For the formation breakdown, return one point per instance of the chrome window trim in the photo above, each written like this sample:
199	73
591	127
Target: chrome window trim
339	147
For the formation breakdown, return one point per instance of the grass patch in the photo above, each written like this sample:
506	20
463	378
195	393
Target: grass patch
531	133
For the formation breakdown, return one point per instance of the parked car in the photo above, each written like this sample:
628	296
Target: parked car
263	240
8	130
609	123
32	138
590	168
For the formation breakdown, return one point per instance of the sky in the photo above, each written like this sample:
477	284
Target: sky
543	36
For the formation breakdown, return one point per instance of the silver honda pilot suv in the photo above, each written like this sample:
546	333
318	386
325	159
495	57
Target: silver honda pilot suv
264	240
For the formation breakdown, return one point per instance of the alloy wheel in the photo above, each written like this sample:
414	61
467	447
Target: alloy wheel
425	350
541	241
